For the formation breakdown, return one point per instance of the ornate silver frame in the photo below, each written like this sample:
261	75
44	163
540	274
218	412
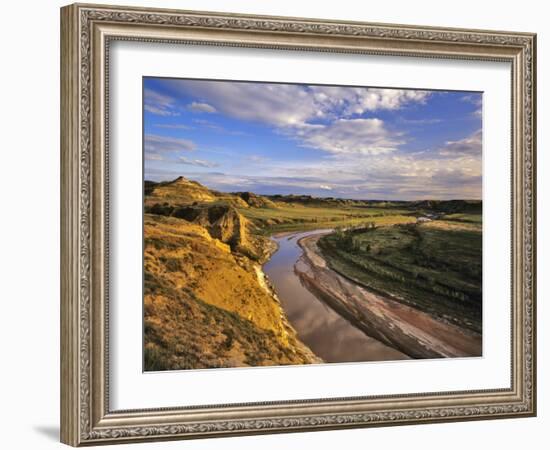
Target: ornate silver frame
86	32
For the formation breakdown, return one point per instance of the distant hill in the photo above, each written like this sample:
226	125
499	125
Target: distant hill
183	191
255	200
442	206
449	206
308	200
180	190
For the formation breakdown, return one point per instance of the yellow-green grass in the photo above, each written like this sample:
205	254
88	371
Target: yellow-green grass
455	225
436	269
293	217
459	217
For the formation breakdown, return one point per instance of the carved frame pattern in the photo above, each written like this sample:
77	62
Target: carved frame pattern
86	418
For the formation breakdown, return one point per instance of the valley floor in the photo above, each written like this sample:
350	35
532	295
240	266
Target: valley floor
405	275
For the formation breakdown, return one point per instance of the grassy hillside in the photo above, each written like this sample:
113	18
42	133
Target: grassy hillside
283	213
265	215
448	206
206	306
297	217
182	191
434	266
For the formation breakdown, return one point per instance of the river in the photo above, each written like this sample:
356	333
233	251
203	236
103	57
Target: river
325	332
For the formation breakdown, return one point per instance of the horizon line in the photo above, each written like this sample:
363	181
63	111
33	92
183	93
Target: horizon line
322	198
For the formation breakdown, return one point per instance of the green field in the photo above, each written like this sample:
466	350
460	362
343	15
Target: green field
471	218
296	217
434	266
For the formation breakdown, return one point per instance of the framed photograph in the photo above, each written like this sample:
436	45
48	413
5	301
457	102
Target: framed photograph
278	224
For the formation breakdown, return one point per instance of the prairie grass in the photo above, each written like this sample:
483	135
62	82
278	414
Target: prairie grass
434	269
295	217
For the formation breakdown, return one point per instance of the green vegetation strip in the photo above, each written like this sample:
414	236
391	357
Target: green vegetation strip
296	217
435	270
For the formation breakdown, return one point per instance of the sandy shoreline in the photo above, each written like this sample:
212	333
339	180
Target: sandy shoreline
329	334
402	327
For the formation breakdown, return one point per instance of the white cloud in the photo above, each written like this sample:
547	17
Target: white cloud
157	144
319	117
385	179
477	100
207	124
363	158
283	105
393	175
420	121
470	145
354	101
217	128
350	136
178	126
153	157
424	175
277	105
474	99
201	107
197	162
257	158
159	104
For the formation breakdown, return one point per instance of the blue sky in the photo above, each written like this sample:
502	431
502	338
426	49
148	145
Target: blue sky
329	141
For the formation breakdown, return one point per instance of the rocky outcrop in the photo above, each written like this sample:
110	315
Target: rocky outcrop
182	191
223	222
206	306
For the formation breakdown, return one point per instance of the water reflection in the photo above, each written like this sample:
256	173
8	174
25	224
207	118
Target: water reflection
329	335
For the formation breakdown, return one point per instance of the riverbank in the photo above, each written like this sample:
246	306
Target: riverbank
207	305
409	330
288	333
325	331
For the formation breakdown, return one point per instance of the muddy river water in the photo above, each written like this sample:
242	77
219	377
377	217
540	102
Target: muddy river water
325	332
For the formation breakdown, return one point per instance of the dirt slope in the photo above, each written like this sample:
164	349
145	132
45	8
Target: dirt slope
207	306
